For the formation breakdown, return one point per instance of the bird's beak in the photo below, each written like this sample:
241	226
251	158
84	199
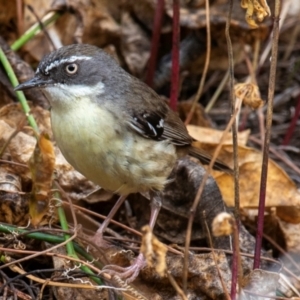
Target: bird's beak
35	82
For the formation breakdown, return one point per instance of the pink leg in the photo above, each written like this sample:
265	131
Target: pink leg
98	237
130	273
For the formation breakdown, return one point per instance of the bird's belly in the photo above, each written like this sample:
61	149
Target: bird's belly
118	160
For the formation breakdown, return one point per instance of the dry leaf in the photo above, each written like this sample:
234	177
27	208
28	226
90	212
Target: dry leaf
281	190
42	165
18	150
135	45
154	251
199	117
13	203
212	136
86	21
256	10
249	94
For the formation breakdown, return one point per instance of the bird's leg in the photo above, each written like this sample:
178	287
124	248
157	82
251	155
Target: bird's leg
155	208
98	237
130	273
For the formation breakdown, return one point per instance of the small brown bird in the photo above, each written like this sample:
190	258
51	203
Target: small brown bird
112	127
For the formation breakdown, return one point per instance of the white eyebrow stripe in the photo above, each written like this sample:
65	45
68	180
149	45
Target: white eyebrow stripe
70	59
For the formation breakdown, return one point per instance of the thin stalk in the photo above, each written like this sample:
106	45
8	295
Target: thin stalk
35	29
175	56
264	171
217	93
159	12
64	225
197	201
206	64
234	141
20	95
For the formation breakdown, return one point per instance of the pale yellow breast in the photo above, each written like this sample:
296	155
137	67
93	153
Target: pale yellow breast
108	153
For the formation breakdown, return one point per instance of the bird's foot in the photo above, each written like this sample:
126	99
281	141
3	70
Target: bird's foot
98	240
128	274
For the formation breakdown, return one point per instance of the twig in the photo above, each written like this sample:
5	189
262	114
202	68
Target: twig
236	260
214	257
156	31
50	18
13	134
175	56
35	254
17	269
43	28
217	93
176	286
257	44
285	159
284	253
20	14
264	172
20	95
206	65
234	134
285	8
233	105
197	200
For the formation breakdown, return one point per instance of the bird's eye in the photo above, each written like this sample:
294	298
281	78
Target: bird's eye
72	68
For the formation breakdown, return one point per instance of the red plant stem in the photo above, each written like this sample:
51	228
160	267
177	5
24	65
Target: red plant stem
20	16
159	12
292	126
265	161
175	56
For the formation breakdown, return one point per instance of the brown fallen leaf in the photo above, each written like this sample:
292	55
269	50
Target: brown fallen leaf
212	136
13	203
249	93
281	190
42	165
199	117
85	21
135	45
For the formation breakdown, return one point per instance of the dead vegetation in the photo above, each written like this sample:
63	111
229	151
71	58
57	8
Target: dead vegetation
45	204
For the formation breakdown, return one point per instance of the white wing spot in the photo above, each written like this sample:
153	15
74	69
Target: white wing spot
161	123
152	129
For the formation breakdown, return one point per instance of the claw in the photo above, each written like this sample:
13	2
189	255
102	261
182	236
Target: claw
129	273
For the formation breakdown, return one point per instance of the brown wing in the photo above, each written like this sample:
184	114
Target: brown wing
152	117
175	130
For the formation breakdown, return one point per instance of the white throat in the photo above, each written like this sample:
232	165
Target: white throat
63	95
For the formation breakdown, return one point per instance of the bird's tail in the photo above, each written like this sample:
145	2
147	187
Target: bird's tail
205	159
